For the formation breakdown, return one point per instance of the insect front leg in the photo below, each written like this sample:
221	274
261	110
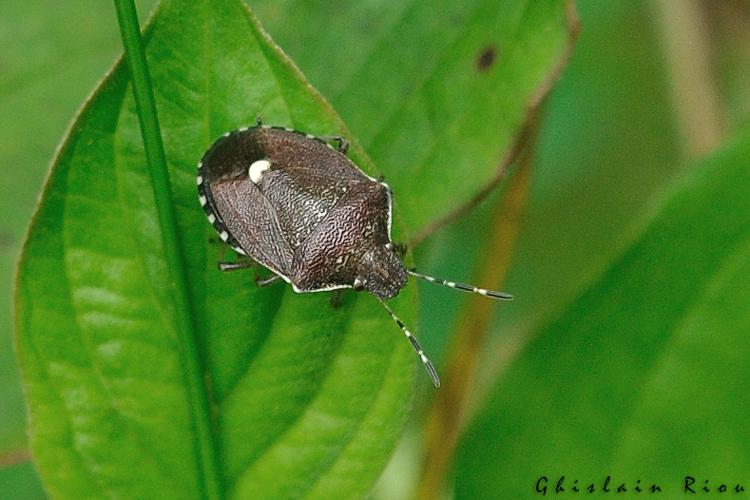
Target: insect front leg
398	248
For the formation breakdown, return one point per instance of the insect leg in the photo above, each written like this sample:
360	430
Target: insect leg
234	266
263	282
343	144
398	248
336	298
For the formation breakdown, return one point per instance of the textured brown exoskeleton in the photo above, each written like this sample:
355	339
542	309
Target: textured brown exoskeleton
298	206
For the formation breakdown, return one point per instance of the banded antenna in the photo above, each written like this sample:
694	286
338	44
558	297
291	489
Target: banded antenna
415	344
462	286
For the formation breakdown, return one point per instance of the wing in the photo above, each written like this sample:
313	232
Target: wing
329	257
301	200
251	220
270	219
307	179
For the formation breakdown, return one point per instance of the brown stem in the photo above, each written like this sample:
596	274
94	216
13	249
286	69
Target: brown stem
687	51
14	457
447	415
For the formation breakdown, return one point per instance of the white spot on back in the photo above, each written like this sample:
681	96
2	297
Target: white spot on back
255	172
243	129
203	200
211	218
199	180
224	235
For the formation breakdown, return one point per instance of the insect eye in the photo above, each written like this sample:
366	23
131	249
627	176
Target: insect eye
358	284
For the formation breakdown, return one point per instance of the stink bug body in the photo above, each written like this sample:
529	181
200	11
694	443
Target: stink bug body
298	206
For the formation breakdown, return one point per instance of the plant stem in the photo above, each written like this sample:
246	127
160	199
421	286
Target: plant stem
191	360
14	457
687	49
448	414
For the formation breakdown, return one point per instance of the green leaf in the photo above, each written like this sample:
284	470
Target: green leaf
592	172
308	400
45	75
643	376
18	481
410	85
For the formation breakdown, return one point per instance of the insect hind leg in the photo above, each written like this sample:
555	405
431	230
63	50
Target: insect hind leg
264	282
242	262
234	266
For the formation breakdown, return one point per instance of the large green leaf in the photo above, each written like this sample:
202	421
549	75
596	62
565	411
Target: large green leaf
20	482
45	75
644	375
308	400
594	170
412	88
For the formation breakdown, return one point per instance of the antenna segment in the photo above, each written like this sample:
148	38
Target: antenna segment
462	286
415	344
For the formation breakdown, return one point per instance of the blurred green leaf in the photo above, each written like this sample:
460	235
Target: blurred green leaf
593	171
642	376
308	400
412	89
20	482
45	75
607	148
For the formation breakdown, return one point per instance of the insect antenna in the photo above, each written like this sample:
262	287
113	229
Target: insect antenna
415	344
462	286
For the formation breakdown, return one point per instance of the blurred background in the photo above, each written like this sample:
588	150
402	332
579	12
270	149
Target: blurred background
651	87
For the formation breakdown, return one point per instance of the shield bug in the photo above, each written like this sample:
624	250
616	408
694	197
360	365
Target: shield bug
295	204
